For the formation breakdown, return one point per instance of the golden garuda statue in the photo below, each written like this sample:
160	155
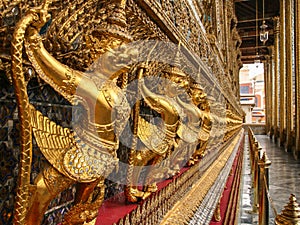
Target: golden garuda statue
156	142
86	154
87	75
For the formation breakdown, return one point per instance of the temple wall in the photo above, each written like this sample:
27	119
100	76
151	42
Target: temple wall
206	31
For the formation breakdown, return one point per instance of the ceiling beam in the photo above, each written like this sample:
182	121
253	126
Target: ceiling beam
253	47
241	0
253	56
253	20
253	33
248	61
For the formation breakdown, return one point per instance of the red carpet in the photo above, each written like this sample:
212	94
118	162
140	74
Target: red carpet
228	203
115	208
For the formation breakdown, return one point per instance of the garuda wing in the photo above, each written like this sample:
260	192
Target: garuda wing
154	136
76	158
53	140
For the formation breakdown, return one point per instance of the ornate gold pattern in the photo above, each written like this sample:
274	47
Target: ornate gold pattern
282	71
283	83
183	210
69	158
297	76
217	213
22	199
276	76
46	186
53	140
156	146
86	209
289	75
290	214
62	52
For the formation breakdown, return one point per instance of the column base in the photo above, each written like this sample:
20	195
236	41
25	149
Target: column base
282	138
290	142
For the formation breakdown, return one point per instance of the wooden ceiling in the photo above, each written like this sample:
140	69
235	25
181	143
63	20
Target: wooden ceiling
248	27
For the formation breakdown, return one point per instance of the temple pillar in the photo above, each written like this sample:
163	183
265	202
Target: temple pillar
269	71
268	102
274	81
289	74
297	76
282	73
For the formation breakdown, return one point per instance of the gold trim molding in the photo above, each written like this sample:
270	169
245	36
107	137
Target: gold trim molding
184	209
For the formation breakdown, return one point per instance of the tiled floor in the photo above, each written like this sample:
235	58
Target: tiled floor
284	179
284	174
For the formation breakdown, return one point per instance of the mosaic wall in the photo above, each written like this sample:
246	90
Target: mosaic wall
8	151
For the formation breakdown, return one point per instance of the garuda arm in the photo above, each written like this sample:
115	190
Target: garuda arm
98	93
188	130
62	78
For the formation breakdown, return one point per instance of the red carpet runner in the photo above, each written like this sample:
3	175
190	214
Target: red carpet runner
230	197
115	208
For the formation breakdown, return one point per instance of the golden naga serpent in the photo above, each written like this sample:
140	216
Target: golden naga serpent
22	197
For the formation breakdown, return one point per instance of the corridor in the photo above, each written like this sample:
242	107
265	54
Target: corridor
284	174
284	179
